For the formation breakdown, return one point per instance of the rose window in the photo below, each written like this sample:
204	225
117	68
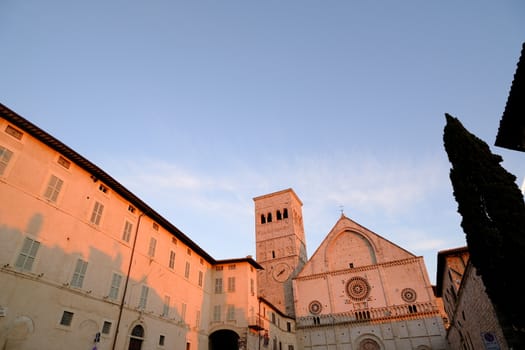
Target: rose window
357	288
315	307
409	295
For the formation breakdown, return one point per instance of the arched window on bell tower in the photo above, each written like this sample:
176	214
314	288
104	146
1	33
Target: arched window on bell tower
285	213
263	219
269	216
279	216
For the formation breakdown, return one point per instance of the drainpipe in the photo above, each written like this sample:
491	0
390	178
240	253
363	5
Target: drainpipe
121	308
259	320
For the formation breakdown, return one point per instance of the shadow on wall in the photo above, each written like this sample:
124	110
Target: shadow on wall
53	298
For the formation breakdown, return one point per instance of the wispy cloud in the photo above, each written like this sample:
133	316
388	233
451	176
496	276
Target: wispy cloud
217	208
365	183
355	182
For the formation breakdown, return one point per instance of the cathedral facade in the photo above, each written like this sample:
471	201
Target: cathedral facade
357	291
84	264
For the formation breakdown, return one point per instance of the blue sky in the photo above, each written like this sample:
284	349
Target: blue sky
199	106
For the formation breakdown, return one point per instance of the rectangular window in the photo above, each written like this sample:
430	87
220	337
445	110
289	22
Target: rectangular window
172	260
67	318
143	297
166	307
187	270
53	188
161	340
126	234
5	156
231	312
80	272
183	312
218	285
231	267
64	162
290	347
288	327
115	286
27	255
152	246
17	134
97	213
106	327
200	278
231	284
198	319
252	286
216	313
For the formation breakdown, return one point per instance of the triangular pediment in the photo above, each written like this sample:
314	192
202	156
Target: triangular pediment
350	245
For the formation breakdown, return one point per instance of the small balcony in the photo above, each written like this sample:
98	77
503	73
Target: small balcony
256	323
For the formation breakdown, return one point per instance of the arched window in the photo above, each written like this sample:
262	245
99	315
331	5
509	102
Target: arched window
138	331
263	219
279	216
273	254
136	338
269	216
285	213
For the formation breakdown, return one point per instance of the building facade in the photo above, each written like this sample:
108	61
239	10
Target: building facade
472	322
85	264
361	291
357	291
280	246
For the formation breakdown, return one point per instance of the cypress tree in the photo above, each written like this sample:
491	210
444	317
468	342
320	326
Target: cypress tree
493	220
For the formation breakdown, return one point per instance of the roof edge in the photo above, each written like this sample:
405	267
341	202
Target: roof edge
100	174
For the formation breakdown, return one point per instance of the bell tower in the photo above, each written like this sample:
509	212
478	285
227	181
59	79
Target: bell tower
280	246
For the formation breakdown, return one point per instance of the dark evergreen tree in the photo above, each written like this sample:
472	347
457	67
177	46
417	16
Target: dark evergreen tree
493	219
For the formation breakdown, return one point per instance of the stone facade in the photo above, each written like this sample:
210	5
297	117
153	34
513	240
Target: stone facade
472	321
360	291
280	246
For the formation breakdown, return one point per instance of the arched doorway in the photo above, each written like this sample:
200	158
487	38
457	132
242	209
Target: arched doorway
224	339
136	338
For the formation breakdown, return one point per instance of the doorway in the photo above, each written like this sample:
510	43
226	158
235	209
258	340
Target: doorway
136	338
224	339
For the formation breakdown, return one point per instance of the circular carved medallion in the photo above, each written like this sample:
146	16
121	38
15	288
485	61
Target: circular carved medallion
315	307
409	295
369	344
357	288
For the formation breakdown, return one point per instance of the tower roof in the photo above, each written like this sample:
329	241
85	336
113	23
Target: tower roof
290	190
